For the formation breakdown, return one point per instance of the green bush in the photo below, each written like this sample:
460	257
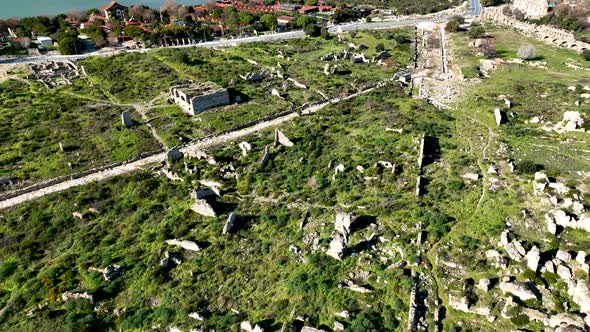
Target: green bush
528	167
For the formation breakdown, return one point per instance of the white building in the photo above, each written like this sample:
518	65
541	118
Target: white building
45	41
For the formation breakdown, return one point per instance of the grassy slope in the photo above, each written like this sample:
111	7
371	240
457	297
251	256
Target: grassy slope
252	271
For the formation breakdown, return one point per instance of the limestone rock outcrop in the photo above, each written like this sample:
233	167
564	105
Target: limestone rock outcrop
187	245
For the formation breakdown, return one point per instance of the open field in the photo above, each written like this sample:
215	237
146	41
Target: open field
88	111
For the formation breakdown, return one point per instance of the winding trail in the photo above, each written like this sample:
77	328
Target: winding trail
158	158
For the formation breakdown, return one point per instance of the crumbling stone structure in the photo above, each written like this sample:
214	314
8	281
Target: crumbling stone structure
194	99
548	34
532	8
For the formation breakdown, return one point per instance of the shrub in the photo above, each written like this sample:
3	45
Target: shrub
520	320
476	31
527	167
452	26
586	54
527	52
380	47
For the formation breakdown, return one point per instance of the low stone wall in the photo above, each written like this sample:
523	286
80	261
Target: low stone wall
59	179
548	34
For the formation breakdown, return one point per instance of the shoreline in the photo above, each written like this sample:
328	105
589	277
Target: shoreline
31	8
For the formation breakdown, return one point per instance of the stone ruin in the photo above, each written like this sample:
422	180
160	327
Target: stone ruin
245	147
229	223
109	273
69	295
532	9
126	119
265	156
340	237
499	116
548	34
247	326
184	244
53	74
572	121
203	208
197	98
257	76
281	139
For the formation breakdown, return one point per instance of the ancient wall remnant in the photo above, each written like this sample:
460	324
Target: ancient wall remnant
194	99
548	34
532	8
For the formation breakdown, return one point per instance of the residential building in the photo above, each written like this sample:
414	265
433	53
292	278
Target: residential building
114	11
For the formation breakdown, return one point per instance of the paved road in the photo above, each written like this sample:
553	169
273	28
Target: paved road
475	7
233	42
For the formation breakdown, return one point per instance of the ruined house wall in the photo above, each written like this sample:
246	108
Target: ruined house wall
205	102
198	104
548	34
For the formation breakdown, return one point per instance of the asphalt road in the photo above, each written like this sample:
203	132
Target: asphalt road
475	7
233	42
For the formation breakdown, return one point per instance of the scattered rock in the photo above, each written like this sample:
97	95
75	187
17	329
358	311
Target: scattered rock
281	139
196	315
109	273
245	147
229	223
203	208
484	284
519	289
247	326
126	119
175	154
69	295
499	117
188	245
471	176
265	156
533	257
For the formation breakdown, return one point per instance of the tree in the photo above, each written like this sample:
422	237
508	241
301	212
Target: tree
304	21
69	43
476	31
269	21
312	30
527	52
311	2
586	54
324	33
380	47
135	32
245	18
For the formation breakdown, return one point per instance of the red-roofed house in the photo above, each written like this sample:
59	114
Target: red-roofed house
306	10
284	20
114	10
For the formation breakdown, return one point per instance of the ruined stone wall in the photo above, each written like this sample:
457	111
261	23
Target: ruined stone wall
205	102
548	34
532	8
